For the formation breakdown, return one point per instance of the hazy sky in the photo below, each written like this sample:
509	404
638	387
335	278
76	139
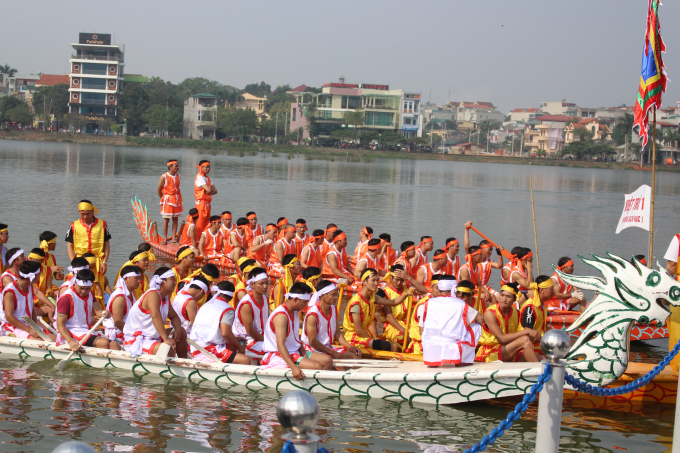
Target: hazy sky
512	53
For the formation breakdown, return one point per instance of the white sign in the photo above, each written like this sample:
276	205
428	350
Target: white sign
636	209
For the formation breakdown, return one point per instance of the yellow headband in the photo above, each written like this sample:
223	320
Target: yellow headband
509	289
546	284
3	230
149	254
368	273
242	259
45	245
250	268
207	277
87	207
184	254
462	289
35	256
292	262
91	259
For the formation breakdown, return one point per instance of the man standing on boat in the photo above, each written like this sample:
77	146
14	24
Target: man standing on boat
203	192
89	235
171	199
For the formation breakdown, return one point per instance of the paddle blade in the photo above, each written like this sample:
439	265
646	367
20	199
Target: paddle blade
163	351
62	364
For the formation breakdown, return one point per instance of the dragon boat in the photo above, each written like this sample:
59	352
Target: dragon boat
562	320
628	293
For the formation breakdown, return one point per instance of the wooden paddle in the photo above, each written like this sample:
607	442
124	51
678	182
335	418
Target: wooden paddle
34	326
210	355
47	326
342	284
163	351
505	253
63	363
408	323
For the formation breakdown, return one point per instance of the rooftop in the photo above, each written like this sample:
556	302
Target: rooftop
204	95
52	79
528	110
301	89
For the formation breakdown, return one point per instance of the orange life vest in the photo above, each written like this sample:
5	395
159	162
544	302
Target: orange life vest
185	240
314	258
213	243
263	254
341	258
429	272
288	248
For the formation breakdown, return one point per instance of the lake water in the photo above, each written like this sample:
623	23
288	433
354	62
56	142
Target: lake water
577	211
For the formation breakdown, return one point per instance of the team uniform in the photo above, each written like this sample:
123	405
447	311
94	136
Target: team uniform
366	308
260	316
417	319
326	327
207	333
212	244
23	306
185	239
110	330
555	304
429	272
341	259
450	333
533	315
288	248
179	304
452	266
203	201
241	239
399	312
314	259
79	312
263	255
272	357
300	243
140	335
171	201
490	350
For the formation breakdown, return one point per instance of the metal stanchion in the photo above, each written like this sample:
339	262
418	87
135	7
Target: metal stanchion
555	345
676	426
74	447
298	412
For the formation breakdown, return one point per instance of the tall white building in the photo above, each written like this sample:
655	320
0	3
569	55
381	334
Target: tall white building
96	78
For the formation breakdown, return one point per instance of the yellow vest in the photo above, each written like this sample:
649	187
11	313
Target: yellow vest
88	238
414	328
539	308
367	308
509	325
398	311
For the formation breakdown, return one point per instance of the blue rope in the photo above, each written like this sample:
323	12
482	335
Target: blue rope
644	380
288	447
515	414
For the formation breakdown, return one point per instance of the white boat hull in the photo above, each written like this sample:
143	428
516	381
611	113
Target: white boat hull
405	381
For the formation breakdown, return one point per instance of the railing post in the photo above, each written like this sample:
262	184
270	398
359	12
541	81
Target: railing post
298	412
555	345
676	427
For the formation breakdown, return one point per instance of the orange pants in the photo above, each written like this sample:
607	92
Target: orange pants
203	217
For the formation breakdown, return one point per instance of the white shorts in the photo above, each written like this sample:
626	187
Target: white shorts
18	333
147	345
169	216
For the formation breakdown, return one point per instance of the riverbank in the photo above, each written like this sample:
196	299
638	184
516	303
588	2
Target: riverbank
312	152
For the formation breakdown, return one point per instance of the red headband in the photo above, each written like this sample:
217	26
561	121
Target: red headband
487	246
172	162
318	236
528	255
271	227
424	241
330	230
440	256
301	224
283	222
374	247
252	216
571	263
340	237
450	244
365	231
407	250
286	230
226	216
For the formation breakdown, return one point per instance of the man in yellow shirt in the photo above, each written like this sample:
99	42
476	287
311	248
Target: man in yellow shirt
89	235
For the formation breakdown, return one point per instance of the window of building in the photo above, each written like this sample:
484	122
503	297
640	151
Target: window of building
93	98
89	83
354	102
344	102
92	110
405	105
294	114
94	68
206	115
407	121
379	119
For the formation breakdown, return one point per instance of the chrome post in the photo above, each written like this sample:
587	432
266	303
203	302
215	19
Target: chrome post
299	412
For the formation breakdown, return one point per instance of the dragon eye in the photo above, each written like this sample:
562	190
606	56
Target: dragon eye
674	293
654	279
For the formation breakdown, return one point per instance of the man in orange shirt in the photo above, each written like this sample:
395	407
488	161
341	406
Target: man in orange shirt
254	229
420	258
203	191
189	236
301	236
360	250
328	239
452	262
210	245
311	253
171	200
389	255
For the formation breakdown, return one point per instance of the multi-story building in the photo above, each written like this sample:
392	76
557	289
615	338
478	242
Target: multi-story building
477	112
524	115
19	85
96	79
200	122
384	109
559	108
253	103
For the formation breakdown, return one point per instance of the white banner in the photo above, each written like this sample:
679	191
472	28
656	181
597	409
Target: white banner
636	209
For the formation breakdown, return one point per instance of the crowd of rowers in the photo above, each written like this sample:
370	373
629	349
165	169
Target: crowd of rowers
455	316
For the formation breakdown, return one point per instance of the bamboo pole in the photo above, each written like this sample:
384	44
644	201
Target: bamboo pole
533	213
340	294
651	229
408	323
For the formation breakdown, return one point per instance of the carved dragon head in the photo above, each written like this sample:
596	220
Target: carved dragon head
628	293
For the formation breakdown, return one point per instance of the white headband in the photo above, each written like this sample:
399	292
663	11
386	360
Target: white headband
217	292
447	285
29	276
257	278
200	284
83	283
315	297
15	256
156	280
298	296
121	281
74	270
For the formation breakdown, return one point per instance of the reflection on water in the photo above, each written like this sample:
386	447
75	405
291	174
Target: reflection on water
577	210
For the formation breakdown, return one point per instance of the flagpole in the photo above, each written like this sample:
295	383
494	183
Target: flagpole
651	229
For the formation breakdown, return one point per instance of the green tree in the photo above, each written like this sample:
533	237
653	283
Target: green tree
6	69
260	90
311	115
6	104
195	85
541	153
133	102
237	121
51	100
267	128
160	118
21	114
163	93
279	96
671	137
583	134
623	127
355	119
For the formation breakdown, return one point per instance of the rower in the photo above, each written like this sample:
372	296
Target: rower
418	318
507	269
42	287
565	298
292	269
238	242
90	235
185	302
395	316
301	236
140	258
227	225
171	199
451	329
533	314
281	224
310	255
452	262
486	265
189	237
210	272
254	230
77	264
522	271
282	337
388	254
15	257
360	250
212	328
501	338
262	247
284	246
336	265
17	301
76	315
48	243
467	292
252	313
471	270
210	244
145	330
320	327
328	239
437	266
185	261
420	258
203	192
369	259
4	237
121	301
359	318
101	285
311	277
408	251
246	268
